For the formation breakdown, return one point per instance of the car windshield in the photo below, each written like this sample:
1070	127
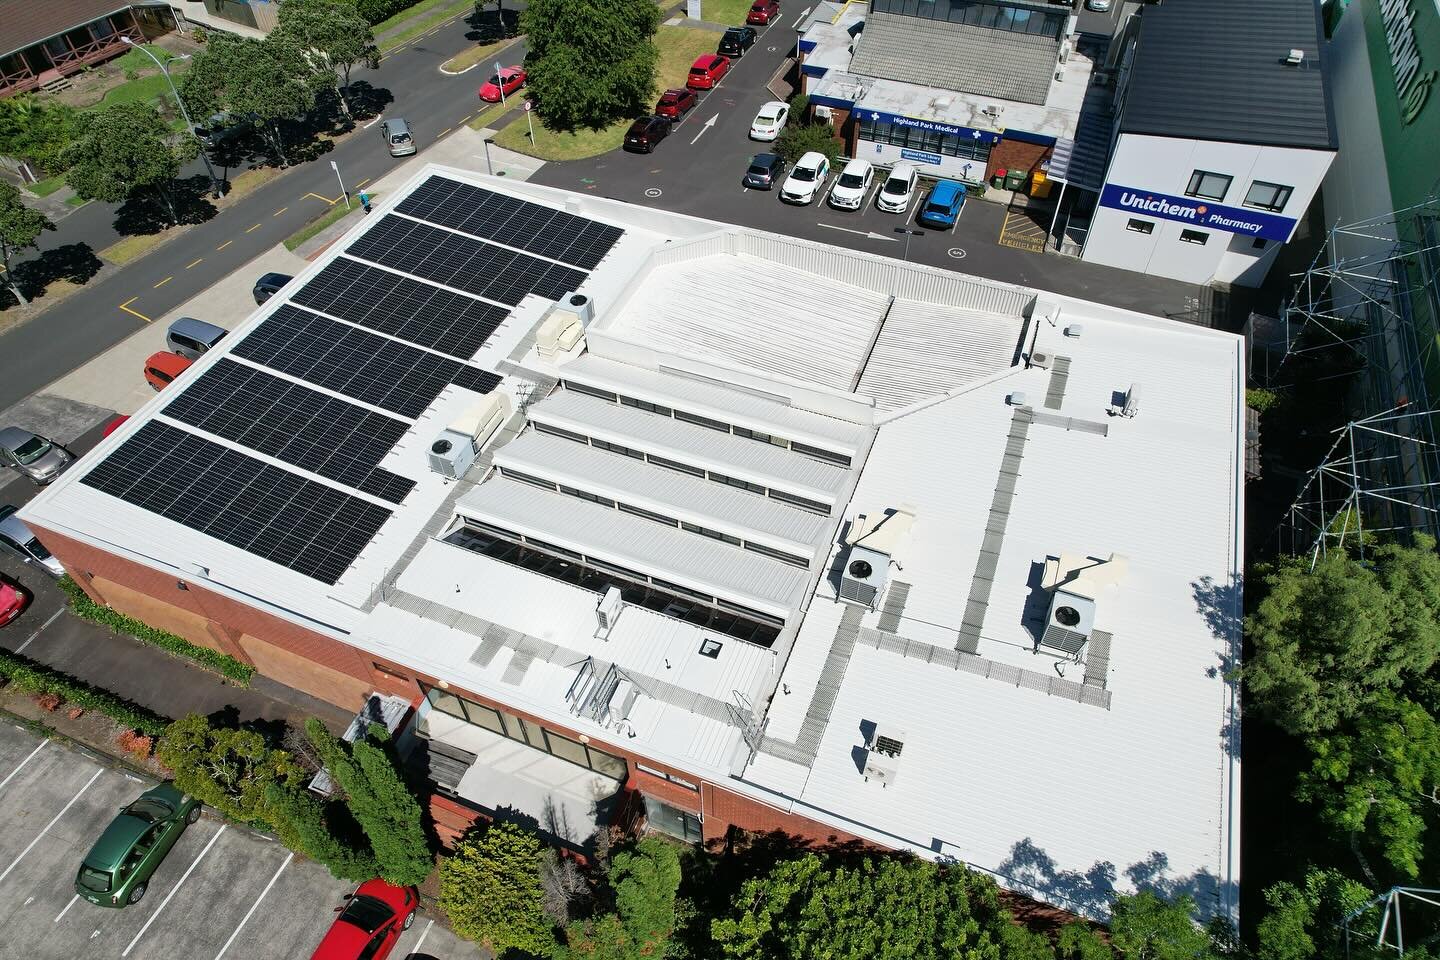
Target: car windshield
495	80
805	173
367	913
937	207
37	550
699	71
767	117
32	450
92	879
897	186
149	810
759	170
852	180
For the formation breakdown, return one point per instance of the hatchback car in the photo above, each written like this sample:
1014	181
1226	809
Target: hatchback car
16	538
118	868
707	71
942	207
397	137
674	104
736	41
762	12
370	923
13	599
764	172
806	178
852	185
502	84
895	195
162	368
269	285
645	133
193	338
32	455
769	121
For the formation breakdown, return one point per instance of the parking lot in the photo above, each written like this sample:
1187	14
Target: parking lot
223	891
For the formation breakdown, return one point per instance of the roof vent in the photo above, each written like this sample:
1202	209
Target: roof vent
993	111
1296	57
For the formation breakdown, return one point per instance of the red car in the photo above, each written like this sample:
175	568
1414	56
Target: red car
162	368
507	81
370	923
763	11
114	424
707	71
13	599
676	103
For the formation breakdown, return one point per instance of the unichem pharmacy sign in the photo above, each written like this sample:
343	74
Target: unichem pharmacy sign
1411	86
1189	210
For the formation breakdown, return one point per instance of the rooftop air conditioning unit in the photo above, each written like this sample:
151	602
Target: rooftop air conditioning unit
452	454
882	762
607	613
873	541
864	576
1295	57
622	699
1071	611
1041	359
822	112
579	304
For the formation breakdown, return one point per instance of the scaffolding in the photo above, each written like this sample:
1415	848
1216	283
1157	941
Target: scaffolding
1392	935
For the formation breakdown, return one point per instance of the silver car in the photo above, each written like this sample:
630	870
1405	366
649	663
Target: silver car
16	538
39	459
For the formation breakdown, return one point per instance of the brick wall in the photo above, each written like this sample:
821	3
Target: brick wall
724	809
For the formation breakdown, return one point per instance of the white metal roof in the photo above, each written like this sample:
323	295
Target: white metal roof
645	546
927	349
739	457
740	513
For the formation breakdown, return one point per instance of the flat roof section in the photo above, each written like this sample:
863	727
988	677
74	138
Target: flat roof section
926	349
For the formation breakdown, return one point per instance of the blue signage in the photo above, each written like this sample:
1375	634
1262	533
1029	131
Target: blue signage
934	126
920	155
1201	213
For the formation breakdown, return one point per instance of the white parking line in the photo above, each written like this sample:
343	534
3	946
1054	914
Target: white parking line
22	764
254	906
180	883
418	943
53	617
67	908
52	823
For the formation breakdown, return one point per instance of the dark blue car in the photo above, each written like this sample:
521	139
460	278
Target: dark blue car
942	207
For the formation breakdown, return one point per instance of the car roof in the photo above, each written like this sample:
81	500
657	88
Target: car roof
708	59
280	278
946	191
12	437
811	159
115	842
856	166
167	362
12	526
906	170
765	160
778	104
199	329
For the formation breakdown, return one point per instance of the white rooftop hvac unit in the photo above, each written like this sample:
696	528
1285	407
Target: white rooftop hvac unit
607	612
873	541
563	327
453	453
882	762
1074	583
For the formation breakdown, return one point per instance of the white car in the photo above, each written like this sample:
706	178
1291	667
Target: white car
806	178
769	121
899	188
854	182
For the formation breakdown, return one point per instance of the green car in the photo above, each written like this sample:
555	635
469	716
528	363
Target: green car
117	869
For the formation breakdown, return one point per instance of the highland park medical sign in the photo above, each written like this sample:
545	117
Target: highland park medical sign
1197	212
1411	86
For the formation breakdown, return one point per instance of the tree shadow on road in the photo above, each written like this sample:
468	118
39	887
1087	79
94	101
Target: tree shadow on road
367	100
74	263
491	25
145	213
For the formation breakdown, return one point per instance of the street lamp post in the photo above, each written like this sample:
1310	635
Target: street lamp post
908	234
214	180
489	168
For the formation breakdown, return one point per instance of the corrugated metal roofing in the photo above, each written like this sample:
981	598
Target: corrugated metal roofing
957	56
926	349
676	440
690	560
1215	70
751	516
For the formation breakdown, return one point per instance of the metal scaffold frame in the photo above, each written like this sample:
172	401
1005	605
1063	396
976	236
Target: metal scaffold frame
1391	934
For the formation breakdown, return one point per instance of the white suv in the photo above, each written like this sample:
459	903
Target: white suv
806	178
899	188
854	182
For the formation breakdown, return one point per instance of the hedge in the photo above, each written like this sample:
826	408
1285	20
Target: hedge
33	677
374	11
82	606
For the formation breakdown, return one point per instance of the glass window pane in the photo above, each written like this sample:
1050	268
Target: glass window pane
447	703
534	735
670	820
513	728
608	764
566	749
483	716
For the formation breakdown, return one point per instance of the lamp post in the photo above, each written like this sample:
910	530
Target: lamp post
214	180
489	168
908	234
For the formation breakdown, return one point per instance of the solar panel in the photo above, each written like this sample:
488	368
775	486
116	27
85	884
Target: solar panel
455	260
368	367
418	312
301	524
517	223
303	427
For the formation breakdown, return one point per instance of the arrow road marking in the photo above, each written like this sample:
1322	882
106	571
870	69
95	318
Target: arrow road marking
708	124
860	233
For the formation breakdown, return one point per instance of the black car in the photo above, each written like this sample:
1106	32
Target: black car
766	170
269	285
736	41
645	133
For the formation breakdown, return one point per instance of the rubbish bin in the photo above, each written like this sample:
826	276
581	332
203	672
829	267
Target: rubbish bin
1015	180
1040	184
998	181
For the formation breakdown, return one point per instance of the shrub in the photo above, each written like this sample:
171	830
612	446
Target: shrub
136	743
33	677
227	769
375	11
48	702
799	140
305	823
490	889
1260	399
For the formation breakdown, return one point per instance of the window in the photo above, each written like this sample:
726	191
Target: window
672	465
780	555
710	648
680	824
607	763
1211	186
645	405
380	668
648	515
1259	243
1268	196
643	768
1194	236
567	749
590	391
813	506
700	421
447	703
526	478
1140	226
556	431
819	454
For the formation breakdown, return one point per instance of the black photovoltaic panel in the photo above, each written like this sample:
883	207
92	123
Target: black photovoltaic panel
449	322
483	269
366	366
517	223
298	523
303	427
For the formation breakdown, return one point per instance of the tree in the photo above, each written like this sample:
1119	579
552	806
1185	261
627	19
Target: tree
567	891
796	141
1305	921
1079	941
268	80
302	823
20	228
36	131
1146	927
332	35
644	881
591	61
123	149
227	769
490	889
1022	943
878	908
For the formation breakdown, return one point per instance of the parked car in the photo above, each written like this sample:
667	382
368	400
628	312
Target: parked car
17	539
502	84
806	178
769	121
894	196
118	867
645	133
942	207
397	137
162	368
707	71
676	103
193	338
269	285
220	128
736	41
34	456
1099	6
762	12
369	923
852	185
114	424
765	170
13	599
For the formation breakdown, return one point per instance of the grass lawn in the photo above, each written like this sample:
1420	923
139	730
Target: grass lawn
337	212
679	46
142	90
246	181
43	188
133	248
729	12
77	201
135	60
442	11
474	55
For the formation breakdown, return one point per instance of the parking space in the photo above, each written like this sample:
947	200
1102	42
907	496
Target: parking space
223	892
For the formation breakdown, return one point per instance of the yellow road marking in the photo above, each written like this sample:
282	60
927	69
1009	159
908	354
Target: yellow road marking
163	282
135	313
225	244
324	199
362	183
443	132
467	119
253	229
280	211
193	262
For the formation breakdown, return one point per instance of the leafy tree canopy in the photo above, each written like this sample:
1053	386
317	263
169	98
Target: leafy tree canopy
1147	927
36	131
591	61
331	34
125	148
801	138
1305	921
225	768
270	80
20	228
490	889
